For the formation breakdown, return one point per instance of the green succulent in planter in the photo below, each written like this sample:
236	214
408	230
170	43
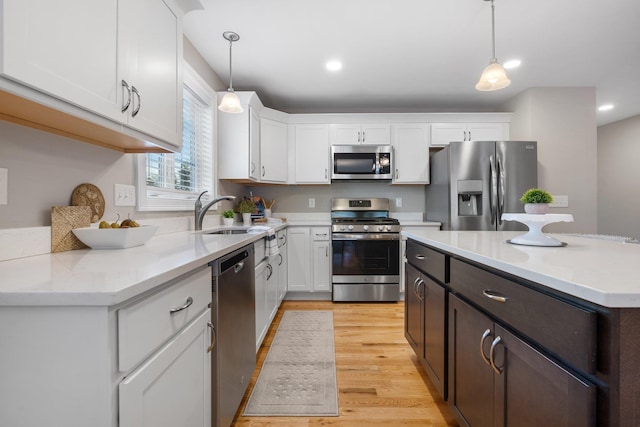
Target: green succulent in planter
246	206
536	195
228	214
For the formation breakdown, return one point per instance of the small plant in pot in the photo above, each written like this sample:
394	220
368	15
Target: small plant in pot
536	201
227	217
246	207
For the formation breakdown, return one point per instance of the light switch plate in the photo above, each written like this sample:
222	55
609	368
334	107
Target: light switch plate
124	195
4	186
398	202
559	202
312	202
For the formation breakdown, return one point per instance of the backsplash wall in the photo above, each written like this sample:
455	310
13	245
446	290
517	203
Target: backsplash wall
295	198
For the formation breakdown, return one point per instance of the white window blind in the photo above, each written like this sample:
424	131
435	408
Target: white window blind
173	181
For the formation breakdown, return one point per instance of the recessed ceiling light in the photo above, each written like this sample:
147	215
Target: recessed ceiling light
512	64
605	107
334	65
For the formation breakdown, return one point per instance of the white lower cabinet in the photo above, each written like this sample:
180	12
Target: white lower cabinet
321	259
309	259
267	289
61	364
281	265
173	388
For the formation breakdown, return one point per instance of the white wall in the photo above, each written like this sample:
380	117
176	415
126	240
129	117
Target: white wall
563	121
619	178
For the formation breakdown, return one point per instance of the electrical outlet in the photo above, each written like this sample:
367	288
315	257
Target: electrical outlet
398	202
560	202
124	195
4	186
312	202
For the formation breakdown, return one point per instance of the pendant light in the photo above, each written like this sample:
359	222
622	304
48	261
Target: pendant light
230	102
493	77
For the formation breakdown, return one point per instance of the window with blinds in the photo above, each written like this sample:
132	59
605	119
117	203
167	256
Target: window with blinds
172	181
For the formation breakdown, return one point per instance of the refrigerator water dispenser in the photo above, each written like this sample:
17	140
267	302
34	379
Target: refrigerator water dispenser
469	197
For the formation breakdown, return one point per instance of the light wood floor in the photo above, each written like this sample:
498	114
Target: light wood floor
380	380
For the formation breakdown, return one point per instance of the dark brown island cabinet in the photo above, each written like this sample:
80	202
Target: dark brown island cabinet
504	351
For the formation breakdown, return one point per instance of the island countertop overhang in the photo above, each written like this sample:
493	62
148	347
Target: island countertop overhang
602	272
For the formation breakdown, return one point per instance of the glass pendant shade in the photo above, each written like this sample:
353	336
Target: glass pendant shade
230	103
493	77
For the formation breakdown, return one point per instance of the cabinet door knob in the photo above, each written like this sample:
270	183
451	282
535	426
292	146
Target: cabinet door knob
125	86
184	307
485	335
492	358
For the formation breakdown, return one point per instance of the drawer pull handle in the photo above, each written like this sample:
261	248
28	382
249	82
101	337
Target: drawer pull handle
214	337
485	335
420	257
491	355
494	296
187	305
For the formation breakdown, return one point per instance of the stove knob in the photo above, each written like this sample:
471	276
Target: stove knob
381	228
342	228
350	227
365	227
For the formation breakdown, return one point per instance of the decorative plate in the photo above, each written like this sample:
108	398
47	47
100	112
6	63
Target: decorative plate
89	195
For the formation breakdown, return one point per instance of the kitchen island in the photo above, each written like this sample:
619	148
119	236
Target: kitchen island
532	335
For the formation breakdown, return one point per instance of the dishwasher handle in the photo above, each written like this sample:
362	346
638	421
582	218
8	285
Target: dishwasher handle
234	261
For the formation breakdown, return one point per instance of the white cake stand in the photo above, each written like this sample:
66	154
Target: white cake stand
535	236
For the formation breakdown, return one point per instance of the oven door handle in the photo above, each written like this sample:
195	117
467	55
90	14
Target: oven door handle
366	236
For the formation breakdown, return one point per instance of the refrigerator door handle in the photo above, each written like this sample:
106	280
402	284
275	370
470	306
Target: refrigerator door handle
493	194
501	189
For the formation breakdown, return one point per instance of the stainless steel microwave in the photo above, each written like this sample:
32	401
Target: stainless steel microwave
361	162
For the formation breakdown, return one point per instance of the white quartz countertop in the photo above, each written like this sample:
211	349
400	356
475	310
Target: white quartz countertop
107	277
603	272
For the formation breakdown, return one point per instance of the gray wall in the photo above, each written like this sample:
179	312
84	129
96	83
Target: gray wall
295	198
45	168
563	121
619	178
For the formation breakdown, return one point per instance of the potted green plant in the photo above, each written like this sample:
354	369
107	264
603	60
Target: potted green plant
227	217
536	201
246	207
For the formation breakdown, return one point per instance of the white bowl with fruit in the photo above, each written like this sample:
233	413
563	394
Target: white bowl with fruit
115	235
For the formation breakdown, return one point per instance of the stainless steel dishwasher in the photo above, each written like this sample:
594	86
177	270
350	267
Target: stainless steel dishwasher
234	319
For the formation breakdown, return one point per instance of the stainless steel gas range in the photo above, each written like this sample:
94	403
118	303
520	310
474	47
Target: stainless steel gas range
365	250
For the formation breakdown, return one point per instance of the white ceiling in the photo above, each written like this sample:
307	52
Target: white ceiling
420	55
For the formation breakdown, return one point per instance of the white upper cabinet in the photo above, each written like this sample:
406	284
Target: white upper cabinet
72	56
273	151
81	52
410	153
443	133
370	133
311	144
239	144
150	45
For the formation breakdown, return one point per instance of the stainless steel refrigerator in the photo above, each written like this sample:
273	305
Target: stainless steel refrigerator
473	183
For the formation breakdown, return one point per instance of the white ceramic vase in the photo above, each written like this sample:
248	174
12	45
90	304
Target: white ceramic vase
536	208
228	222
246	219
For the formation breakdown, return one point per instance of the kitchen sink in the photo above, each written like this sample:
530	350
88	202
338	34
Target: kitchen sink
231	231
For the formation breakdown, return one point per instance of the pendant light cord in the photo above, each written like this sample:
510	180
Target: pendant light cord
493	30
230	70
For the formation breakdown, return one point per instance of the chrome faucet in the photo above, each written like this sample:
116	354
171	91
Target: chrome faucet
200	211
